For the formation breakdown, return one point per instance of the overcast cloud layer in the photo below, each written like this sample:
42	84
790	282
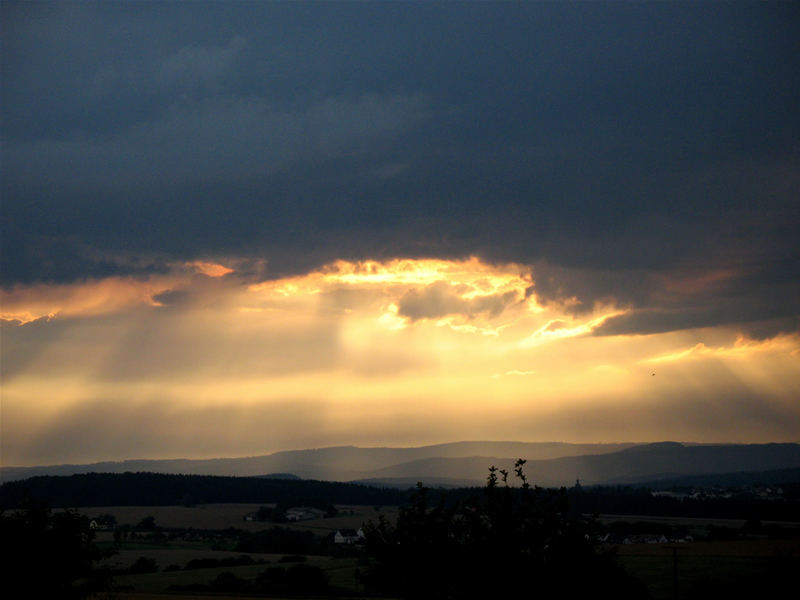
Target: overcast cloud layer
637	163
621	145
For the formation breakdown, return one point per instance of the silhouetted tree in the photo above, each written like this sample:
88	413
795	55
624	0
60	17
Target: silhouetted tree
143	564
148	523
50	555
520	541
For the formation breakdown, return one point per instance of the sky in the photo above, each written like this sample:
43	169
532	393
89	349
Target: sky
232	228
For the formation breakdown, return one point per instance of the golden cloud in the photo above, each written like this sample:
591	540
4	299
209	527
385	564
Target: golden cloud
425	349
87	298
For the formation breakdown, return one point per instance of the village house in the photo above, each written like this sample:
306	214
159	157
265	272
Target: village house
348	536
303	513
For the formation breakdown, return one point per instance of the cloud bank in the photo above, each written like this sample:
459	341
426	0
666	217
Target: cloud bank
285	193
197	365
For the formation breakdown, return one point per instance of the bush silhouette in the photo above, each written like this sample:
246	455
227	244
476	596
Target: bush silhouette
520	541
50	555
143	564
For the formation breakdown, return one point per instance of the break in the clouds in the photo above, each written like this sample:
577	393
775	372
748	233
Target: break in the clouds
165	164
197	364
441	299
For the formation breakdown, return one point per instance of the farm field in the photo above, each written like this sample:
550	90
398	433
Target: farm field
704	567
340	573
146	596
689	521
721	568
224	516
171	556
205	516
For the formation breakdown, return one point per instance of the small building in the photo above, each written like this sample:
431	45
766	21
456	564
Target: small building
304	513
348	536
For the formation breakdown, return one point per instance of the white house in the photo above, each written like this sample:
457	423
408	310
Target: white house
348	536
303	513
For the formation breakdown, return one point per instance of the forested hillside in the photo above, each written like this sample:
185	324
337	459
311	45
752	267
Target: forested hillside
156	489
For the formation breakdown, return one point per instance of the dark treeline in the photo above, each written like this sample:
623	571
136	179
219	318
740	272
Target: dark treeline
629	500
639	501
502	542
152	489
51	555
773	477
155	489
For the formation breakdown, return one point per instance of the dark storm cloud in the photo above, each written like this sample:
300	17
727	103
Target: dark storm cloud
762	301
611	145
658	321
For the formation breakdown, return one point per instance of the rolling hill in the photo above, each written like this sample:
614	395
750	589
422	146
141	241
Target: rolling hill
339	463
631	465
464	463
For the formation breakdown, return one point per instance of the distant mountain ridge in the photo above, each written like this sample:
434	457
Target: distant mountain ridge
773	477
336	463
462	463
631	465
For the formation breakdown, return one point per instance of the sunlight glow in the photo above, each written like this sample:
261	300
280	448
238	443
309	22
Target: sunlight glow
416	349
89	298
560	328
742	349
209	268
